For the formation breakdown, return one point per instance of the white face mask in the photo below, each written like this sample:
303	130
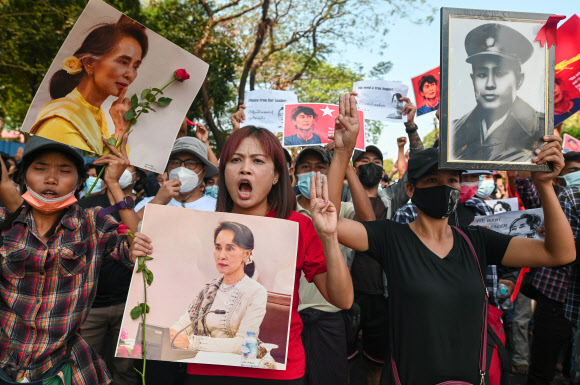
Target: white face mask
126	179
189	179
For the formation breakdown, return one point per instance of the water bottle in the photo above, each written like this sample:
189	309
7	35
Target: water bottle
249	349
503	292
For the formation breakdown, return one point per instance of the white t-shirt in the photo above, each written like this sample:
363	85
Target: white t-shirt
205	203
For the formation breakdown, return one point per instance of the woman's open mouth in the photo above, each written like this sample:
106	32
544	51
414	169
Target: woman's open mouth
244	189
49	194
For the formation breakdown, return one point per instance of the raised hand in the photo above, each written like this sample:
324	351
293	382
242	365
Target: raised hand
117	161
346	126
238	118
117	111
549	152
409	109
401	142
201	133
169	190
322	210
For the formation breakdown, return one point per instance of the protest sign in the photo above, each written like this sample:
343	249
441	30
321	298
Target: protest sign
107	55
570	143
265	108
307	124
567	76
524	223
193	253
502	205
426	87
381	99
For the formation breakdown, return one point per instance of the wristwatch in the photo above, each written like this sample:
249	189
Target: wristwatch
127	203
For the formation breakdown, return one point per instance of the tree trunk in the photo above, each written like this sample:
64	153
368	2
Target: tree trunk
260	34
207	114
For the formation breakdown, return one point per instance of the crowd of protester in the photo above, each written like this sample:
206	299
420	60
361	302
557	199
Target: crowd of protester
389	271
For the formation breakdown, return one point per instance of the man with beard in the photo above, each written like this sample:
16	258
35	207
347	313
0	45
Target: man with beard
429	91
502	127
303	119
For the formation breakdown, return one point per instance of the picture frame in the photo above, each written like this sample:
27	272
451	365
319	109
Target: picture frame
494	73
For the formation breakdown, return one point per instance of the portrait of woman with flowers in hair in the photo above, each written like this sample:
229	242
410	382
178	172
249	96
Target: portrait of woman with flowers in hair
106	63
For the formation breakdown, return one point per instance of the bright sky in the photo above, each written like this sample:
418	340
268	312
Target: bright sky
414	49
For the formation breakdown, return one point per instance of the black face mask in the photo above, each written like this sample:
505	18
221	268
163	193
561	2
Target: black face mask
370	174
437	202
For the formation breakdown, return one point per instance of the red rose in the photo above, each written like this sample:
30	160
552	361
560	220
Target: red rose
136	352
122	352
123	230
181	74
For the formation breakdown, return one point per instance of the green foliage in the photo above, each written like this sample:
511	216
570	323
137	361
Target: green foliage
430	138
572	126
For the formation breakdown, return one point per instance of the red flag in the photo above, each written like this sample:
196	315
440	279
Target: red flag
548	31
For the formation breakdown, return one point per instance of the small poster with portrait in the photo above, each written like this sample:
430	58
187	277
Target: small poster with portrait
113	76
308	124
497	84
523	223
503	205
222	282
567	77
265	108
381	100
570	144
427	91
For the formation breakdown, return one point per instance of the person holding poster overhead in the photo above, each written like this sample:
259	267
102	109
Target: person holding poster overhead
104	65
50	256
436	295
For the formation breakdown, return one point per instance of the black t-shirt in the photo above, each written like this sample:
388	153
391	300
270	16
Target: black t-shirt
367	276
435	304
114	277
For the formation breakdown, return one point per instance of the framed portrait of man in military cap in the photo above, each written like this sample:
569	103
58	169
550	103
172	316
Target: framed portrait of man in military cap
497	87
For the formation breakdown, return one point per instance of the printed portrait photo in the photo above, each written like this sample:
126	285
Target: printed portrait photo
566	84
381	99
307	124
523	223
427	91
570	144
219	279
107	59
498	89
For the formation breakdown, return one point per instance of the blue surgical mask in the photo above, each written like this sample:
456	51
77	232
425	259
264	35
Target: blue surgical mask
572	179
212	191
484	188
89	183
304	183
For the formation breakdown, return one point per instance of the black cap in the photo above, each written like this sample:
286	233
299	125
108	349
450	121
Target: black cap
372	149
37	143
498	40
314	150
422	162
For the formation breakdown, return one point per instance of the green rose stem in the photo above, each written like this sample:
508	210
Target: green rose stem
142	309
132	116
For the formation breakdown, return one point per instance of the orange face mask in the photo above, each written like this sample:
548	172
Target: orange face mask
49	205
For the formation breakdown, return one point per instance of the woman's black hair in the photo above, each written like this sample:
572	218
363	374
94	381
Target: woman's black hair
99	42
505	205
243	237
532	220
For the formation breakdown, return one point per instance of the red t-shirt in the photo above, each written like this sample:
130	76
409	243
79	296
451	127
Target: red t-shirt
310	260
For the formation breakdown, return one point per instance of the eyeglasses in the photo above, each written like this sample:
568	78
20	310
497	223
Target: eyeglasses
189	163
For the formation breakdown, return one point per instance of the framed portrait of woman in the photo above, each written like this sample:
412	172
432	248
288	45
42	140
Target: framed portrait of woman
99	73
222	283
497	87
